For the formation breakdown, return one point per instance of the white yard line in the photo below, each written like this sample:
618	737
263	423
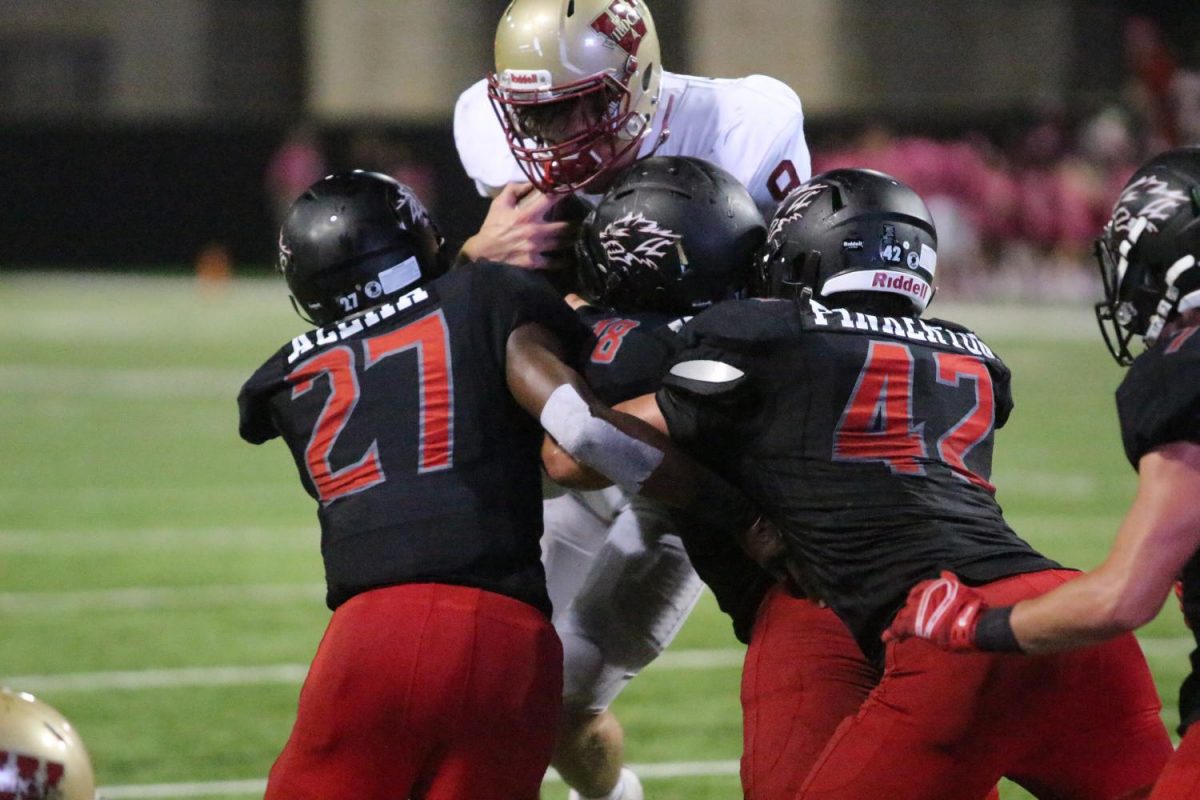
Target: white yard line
198	677
135	383
77	542
153	597
679	769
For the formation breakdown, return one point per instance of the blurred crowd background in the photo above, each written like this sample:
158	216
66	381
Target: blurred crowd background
170	135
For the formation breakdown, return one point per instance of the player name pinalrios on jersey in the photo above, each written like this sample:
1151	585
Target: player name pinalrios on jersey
913	329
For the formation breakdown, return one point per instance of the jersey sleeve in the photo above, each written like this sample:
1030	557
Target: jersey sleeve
511	297
482	147
1159	401
255	423
767	147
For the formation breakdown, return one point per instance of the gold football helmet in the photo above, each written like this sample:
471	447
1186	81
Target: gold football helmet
41	754
576	86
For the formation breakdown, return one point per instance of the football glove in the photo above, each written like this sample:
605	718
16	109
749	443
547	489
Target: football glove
944	611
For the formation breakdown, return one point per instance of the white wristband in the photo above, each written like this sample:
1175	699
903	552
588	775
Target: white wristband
593	441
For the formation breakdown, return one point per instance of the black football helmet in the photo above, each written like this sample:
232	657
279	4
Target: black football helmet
1148	252
672	235
352	241
859	234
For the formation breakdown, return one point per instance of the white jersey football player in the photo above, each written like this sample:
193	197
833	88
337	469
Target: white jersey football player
578	95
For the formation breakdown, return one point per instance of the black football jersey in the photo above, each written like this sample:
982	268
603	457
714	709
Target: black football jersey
626	359
402	428
867	439
1159	403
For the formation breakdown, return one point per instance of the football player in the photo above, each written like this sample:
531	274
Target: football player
865	433
41	754
672	236
1148	255
412	412
579	92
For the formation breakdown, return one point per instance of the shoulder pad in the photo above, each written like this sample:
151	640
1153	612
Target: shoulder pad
704	377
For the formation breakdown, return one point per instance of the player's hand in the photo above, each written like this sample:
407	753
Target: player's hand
944	611
518	231
763	542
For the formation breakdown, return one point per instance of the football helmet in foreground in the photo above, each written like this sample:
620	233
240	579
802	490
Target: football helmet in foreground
41	754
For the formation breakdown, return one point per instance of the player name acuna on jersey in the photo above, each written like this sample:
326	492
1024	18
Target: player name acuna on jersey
307	342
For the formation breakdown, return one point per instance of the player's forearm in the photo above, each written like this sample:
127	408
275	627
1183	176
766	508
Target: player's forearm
1088	610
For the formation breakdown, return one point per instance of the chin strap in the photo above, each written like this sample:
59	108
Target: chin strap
666	127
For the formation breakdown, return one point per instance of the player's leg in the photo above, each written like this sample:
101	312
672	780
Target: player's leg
1181	777
918	735
370	710
637	595
1108	737
575	526
504	720
803	675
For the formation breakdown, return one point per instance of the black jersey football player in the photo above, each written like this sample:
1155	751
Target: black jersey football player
865	431
669	239
1148	254
672	236
412	413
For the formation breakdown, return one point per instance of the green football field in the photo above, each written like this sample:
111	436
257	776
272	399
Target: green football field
160	580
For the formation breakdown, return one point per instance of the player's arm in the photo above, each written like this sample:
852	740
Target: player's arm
623	448
515	230
1159	534
566	471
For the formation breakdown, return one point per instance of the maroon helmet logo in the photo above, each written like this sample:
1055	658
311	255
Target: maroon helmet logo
622	23
29	778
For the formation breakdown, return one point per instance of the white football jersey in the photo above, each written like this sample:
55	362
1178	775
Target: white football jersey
752	127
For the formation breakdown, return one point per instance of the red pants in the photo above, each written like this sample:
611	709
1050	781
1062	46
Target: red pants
1181	778
803	675
944	726
425	691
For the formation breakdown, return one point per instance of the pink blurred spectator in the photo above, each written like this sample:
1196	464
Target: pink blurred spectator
297	164
957	178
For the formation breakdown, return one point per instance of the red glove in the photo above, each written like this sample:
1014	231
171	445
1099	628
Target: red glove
944	611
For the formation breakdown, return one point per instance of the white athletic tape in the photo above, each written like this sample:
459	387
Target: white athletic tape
593	441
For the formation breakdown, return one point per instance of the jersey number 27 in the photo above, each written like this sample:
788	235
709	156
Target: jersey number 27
429	337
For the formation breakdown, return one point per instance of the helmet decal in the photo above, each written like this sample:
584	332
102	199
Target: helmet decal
1150	197
648	251
29	776
794	210
890	251
623	23
416	209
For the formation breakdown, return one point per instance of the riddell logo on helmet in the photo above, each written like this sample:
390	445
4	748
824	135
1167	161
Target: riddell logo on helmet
900	283
526	78
622	23
33	777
